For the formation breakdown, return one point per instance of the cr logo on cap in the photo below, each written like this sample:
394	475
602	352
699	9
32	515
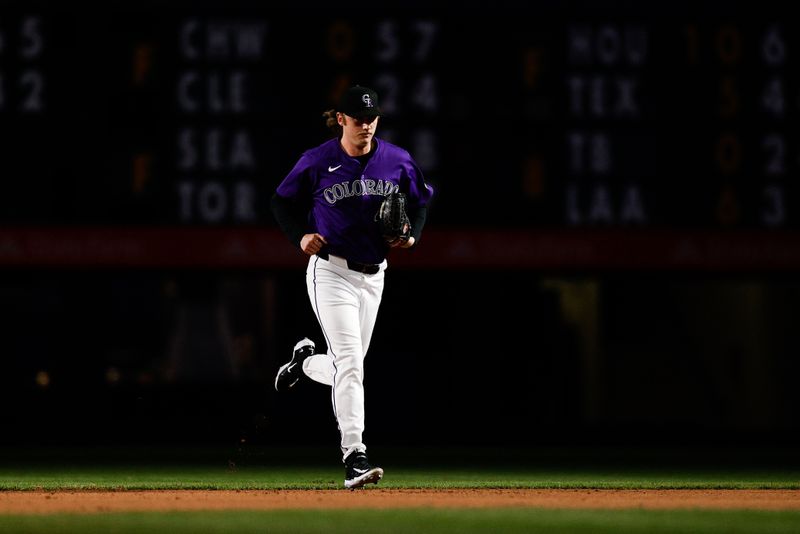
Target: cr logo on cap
367	100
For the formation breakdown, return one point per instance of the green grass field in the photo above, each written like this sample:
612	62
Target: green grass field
459	471
115	477
417	521
313	469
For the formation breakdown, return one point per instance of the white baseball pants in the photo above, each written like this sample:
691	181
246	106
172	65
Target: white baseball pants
346	304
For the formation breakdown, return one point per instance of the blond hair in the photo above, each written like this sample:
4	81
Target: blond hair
331	122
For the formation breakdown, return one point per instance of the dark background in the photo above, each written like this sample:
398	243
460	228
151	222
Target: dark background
611	256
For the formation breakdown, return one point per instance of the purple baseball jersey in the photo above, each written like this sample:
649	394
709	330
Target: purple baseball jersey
346	196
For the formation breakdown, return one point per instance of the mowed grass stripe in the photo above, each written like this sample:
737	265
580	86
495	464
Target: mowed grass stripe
420	520
255	478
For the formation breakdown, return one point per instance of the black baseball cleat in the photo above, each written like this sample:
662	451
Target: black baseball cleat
358	472
290	373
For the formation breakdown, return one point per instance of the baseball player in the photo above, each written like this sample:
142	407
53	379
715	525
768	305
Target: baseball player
327	206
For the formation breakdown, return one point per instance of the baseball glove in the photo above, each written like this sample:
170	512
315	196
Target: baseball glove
393	219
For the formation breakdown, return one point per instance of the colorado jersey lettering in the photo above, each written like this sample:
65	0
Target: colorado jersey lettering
359	187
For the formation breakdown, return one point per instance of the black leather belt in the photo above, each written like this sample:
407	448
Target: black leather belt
366	268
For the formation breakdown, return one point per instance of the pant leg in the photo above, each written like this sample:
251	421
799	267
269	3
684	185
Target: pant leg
370	300
336	302
319	368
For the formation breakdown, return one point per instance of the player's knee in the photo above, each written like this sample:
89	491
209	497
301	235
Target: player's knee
349	372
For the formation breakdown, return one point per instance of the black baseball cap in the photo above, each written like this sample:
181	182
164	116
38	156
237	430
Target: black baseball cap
359	101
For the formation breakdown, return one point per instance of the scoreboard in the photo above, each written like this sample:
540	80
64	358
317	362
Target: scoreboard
540	117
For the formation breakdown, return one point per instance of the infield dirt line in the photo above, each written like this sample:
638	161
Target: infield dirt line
44	502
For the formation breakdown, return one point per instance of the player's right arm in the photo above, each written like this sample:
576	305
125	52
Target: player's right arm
291	220
290	204
287	216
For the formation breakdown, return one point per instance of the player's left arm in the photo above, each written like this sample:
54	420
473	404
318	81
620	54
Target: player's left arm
417	218
419	195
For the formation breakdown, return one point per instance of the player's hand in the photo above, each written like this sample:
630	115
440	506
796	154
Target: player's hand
400	243
311	243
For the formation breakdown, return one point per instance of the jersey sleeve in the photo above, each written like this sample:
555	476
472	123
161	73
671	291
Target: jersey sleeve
297	183
419	193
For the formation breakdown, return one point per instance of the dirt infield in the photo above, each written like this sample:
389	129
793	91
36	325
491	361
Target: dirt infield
41	502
